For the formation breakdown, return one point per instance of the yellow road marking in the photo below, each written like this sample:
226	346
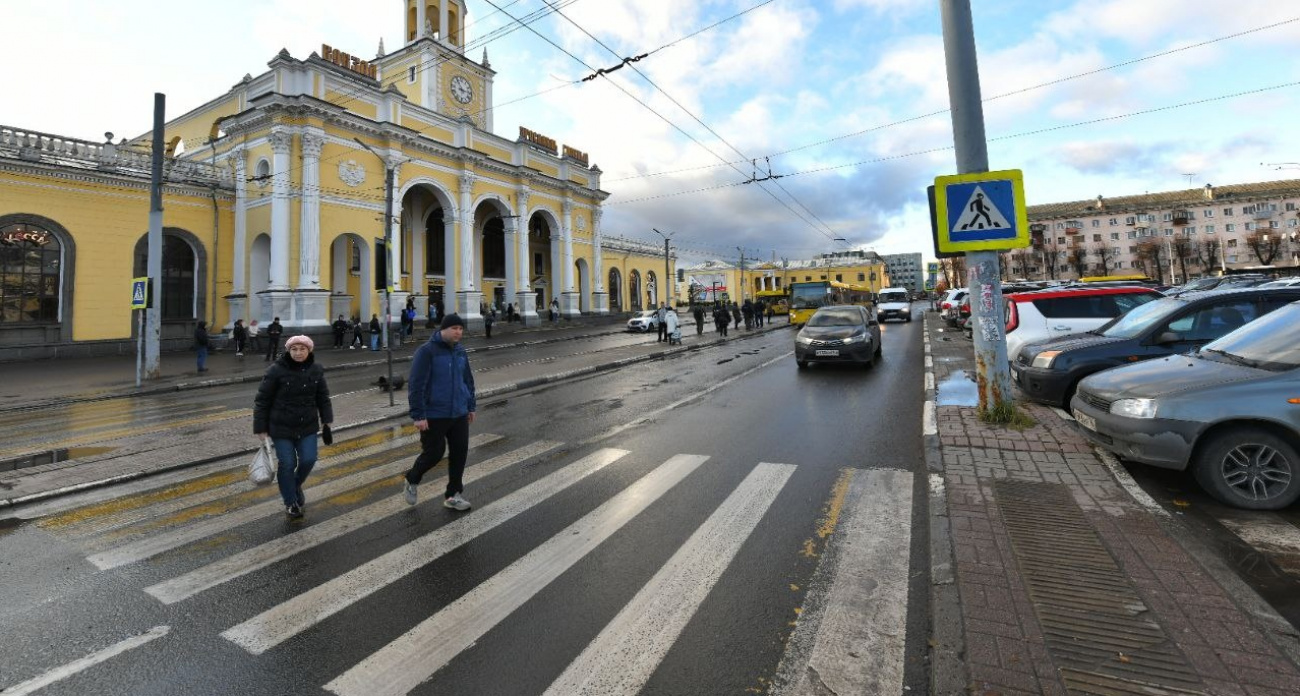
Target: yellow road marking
120	433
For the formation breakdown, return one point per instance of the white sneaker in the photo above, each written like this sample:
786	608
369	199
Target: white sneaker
456	503
412	493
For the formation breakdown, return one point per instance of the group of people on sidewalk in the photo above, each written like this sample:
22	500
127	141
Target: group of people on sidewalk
292	409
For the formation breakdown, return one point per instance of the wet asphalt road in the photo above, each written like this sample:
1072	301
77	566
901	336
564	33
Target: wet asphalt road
60	607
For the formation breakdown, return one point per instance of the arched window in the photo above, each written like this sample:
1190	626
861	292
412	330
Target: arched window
179	288
31	277
615	291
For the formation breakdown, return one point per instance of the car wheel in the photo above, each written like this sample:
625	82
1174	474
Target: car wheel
1249	468
803	364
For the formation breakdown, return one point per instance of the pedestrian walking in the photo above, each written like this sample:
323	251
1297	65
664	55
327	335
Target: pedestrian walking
673	325
374	332
758	314
510	313
357	331
273	333
555	310
735	314
488	320
239	332
292	405
661	315
340	327
254	343
201	345
440	393
721	318
698	313
747	310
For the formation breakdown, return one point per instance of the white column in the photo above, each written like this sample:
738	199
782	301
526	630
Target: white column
524	297
281	143
240	266
567	232
309	220
442	22
467	231
600	303
420	18
511	225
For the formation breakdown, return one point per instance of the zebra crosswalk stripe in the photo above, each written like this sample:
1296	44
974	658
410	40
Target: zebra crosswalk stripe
415	656
154	545
279	623
621	659
276	550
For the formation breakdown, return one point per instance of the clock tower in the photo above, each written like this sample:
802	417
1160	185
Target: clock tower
439	75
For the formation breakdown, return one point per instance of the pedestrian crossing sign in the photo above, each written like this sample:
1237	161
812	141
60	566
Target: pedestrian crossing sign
139	293
981	212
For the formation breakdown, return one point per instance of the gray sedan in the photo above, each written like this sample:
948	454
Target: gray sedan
842	333
1231	411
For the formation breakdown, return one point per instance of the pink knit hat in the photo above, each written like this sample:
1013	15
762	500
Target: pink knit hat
303	340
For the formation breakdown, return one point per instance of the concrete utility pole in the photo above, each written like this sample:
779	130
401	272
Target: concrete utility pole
993	374
389	172
668	279
153	315
742	274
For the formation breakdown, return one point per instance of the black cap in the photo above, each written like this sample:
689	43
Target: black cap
451	320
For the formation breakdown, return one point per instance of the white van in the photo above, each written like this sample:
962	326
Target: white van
894	303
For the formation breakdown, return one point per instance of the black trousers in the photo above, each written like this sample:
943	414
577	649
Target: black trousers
272	346
663	331
443	434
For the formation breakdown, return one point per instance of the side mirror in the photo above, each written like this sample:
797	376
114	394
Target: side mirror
1168	337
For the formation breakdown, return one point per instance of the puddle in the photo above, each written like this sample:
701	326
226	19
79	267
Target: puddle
959	389
51	457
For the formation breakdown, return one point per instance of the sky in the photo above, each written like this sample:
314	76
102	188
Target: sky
843	101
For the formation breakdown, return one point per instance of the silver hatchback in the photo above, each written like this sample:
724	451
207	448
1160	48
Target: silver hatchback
843	333
1230	411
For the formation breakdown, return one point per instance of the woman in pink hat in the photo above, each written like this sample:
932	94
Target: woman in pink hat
291	406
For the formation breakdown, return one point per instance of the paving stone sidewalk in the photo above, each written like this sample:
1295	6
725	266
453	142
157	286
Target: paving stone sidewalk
1046	546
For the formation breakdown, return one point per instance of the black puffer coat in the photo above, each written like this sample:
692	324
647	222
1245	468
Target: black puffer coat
293	400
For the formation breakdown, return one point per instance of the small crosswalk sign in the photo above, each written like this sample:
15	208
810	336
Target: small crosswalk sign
139	293
981	212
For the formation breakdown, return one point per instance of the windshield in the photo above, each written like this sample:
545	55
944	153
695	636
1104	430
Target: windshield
807	296
1200	283
836	317
893	297
1271	342
1141	318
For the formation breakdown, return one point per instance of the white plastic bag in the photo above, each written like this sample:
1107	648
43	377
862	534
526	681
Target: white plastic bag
262	469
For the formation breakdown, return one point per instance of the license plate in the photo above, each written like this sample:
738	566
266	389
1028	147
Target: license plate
828	353
1015	375
1085	420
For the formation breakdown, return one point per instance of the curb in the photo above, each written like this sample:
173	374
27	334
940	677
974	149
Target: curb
947	645
10	503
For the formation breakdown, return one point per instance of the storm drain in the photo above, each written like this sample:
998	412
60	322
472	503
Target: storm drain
1098	630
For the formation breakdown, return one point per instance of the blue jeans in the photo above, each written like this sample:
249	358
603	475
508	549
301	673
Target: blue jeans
203	357
374	341
297	457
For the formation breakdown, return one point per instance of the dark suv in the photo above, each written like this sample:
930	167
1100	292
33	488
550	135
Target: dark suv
1048	371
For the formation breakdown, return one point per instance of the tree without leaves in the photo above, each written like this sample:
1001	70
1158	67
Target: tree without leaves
1264	245
1181	247
1148	254
1077	258
1103	252
1207	254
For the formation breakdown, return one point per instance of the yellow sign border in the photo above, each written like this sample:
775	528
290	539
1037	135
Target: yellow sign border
141	305
941	184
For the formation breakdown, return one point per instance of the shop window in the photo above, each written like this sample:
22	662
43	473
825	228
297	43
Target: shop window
30	275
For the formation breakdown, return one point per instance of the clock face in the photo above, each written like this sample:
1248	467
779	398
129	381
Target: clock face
461	90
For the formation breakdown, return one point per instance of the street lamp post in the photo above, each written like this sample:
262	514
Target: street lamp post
389	171
667	277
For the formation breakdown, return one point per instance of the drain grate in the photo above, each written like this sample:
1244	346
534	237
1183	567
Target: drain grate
1096	626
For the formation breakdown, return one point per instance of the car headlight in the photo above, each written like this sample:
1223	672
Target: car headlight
1045	358
1134	408
803	339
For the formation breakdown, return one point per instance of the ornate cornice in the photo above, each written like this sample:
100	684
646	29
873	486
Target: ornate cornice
94	178
312	144
281	142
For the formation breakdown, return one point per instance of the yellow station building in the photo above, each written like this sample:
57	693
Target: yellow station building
274	204
716	280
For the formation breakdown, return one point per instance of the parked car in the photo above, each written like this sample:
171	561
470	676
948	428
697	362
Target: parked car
842	333
1230	411
894	303
1243	280
643	320
1291	282
1033	317
1049	371
951	306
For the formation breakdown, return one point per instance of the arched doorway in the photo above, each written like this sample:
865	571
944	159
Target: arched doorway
36	258
634	290
428	268
494	259
182	286
615	291
543	266
350	277
584	285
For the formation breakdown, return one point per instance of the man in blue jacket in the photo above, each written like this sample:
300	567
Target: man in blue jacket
440	392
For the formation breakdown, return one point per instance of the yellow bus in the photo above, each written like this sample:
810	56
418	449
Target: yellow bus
806	298
1116	279
778	300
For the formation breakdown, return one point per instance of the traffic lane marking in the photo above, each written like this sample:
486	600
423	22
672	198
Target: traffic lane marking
80	665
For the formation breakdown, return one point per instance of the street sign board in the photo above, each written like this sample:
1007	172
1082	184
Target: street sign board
139	293
981	212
